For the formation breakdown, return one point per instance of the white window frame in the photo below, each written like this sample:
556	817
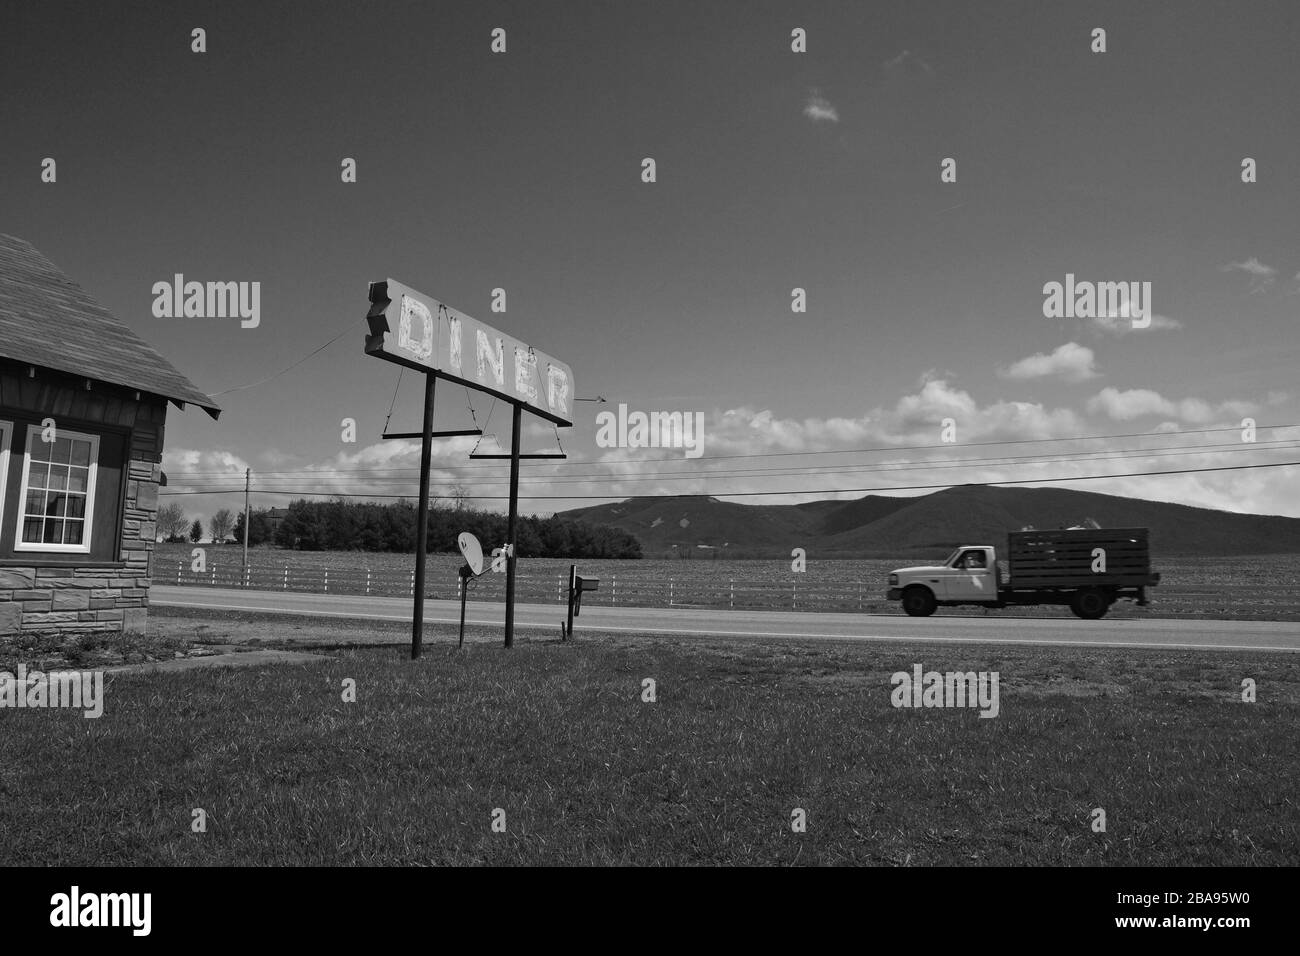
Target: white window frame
6	437
91	479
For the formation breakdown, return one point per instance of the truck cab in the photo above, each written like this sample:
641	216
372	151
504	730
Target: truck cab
967	576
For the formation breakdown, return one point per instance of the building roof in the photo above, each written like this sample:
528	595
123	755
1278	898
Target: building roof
48	320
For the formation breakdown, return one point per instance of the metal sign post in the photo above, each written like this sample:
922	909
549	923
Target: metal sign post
422	525
511	523
412	329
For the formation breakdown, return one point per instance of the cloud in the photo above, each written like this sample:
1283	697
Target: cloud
1121	323
1134	403
1070	362
906	60
819	109
218	465
1261	276
914	419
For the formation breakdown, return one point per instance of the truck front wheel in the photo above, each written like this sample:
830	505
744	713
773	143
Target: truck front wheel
919	601
1090	604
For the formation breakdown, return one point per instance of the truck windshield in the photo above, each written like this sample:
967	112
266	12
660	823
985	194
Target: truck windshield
948	561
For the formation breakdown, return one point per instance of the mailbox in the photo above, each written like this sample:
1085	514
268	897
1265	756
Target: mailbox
581	584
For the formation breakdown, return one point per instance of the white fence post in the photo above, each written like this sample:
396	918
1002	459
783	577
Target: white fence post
214	574
731	601
286	577
613	597
794	595
327	580
178	572
670	592
367	580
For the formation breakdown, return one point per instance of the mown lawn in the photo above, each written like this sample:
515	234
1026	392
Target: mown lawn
557	736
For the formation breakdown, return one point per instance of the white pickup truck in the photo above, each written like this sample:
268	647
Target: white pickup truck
1086	569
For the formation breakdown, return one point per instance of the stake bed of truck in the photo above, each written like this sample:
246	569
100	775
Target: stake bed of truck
1088	569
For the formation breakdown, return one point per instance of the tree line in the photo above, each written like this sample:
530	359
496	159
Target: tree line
340	525
174	525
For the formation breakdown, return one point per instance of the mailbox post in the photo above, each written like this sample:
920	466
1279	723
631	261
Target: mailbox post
577	584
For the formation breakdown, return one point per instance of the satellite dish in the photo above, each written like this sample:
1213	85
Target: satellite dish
472	550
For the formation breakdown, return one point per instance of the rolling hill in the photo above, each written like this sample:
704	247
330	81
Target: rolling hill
878	525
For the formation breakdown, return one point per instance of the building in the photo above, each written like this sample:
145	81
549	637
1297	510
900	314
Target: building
274	518
83	404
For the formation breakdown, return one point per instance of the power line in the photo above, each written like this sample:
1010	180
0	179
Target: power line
374	477
751	494
847	451
240	388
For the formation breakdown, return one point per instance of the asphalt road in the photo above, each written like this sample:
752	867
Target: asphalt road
993	628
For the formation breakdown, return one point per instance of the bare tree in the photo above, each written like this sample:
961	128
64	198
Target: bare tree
172	522
459	494
221	524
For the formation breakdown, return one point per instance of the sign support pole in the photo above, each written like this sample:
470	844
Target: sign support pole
514	520
422	525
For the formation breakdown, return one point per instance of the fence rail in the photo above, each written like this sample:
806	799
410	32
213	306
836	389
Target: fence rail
534	588
796	592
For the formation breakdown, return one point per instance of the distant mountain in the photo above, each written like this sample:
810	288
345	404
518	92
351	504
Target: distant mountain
967	514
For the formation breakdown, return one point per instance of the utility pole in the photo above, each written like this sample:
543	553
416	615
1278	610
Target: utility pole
247	473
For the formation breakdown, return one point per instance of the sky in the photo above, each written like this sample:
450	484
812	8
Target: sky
775	170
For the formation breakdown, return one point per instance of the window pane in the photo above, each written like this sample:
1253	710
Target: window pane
77	478
38	476
53	531
58	477
62	450
32	531
35	503
72	532
76	506
58	505
81	453
39	450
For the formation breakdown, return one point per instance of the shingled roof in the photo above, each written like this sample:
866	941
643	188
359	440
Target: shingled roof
48	320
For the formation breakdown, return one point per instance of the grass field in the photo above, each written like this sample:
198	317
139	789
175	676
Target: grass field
1263	587
558	737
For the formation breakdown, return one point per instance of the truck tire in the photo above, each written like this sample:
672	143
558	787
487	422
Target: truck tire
919	601
1090	604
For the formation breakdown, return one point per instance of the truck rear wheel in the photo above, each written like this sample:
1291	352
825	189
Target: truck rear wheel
919	601
1090	604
